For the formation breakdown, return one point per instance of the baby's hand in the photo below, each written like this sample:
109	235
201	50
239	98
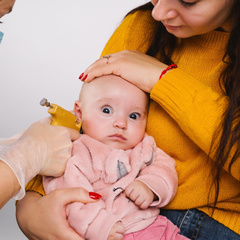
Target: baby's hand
116	232
140	194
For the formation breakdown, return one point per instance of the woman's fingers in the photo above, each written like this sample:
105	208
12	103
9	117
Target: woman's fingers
138	68
103	66
70	195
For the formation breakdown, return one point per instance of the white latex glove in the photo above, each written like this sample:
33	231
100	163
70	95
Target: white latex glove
41	149
4	141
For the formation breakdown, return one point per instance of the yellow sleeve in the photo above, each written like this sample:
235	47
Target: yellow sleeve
133	33
196	107
36	185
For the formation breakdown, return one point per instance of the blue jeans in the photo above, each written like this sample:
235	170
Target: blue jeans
197	225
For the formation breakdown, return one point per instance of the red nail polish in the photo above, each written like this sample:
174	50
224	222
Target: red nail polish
94	195
84	78
80	77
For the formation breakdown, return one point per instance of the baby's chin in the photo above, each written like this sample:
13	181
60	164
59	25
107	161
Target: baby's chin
119	145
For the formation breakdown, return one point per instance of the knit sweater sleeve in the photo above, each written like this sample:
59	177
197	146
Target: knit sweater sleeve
196	107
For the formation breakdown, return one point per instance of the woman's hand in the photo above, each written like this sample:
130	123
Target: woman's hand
45	217
136	67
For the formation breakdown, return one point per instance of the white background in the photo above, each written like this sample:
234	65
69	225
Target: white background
47	44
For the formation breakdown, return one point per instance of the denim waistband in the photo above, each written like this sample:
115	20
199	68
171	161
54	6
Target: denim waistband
197	225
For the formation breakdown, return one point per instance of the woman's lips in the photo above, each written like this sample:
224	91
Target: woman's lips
170	27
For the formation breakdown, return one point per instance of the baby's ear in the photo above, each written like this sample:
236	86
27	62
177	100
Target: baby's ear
78	111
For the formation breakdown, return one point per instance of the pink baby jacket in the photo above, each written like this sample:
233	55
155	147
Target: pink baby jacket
108	171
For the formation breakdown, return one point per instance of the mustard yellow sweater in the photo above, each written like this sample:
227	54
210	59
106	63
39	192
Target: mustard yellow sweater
186	107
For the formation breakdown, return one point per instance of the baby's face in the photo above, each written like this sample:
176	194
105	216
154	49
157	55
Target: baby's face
114	112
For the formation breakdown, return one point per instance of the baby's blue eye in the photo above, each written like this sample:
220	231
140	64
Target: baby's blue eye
107	110
134	115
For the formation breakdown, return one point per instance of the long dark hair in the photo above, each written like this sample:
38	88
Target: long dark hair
228	148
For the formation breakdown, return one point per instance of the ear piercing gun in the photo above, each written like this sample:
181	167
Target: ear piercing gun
60	116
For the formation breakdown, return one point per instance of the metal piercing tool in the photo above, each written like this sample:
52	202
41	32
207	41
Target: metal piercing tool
60	116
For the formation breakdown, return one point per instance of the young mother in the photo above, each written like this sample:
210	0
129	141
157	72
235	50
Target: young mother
195	108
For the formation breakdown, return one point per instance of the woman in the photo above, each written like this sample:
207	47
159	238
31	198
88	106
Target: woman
194	110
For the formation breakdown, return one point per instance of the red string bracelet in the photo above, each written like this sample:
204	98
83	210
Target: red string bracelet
167	69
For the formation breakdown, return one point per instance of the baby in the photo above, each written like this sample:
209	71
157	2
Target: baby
117	159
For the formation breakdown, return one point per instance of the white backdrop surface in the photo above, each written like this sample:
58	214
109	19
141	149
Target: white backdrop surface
46	45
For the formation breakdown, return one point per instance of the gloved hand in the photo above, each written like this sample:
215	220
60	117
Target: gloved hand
5	141
41	149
